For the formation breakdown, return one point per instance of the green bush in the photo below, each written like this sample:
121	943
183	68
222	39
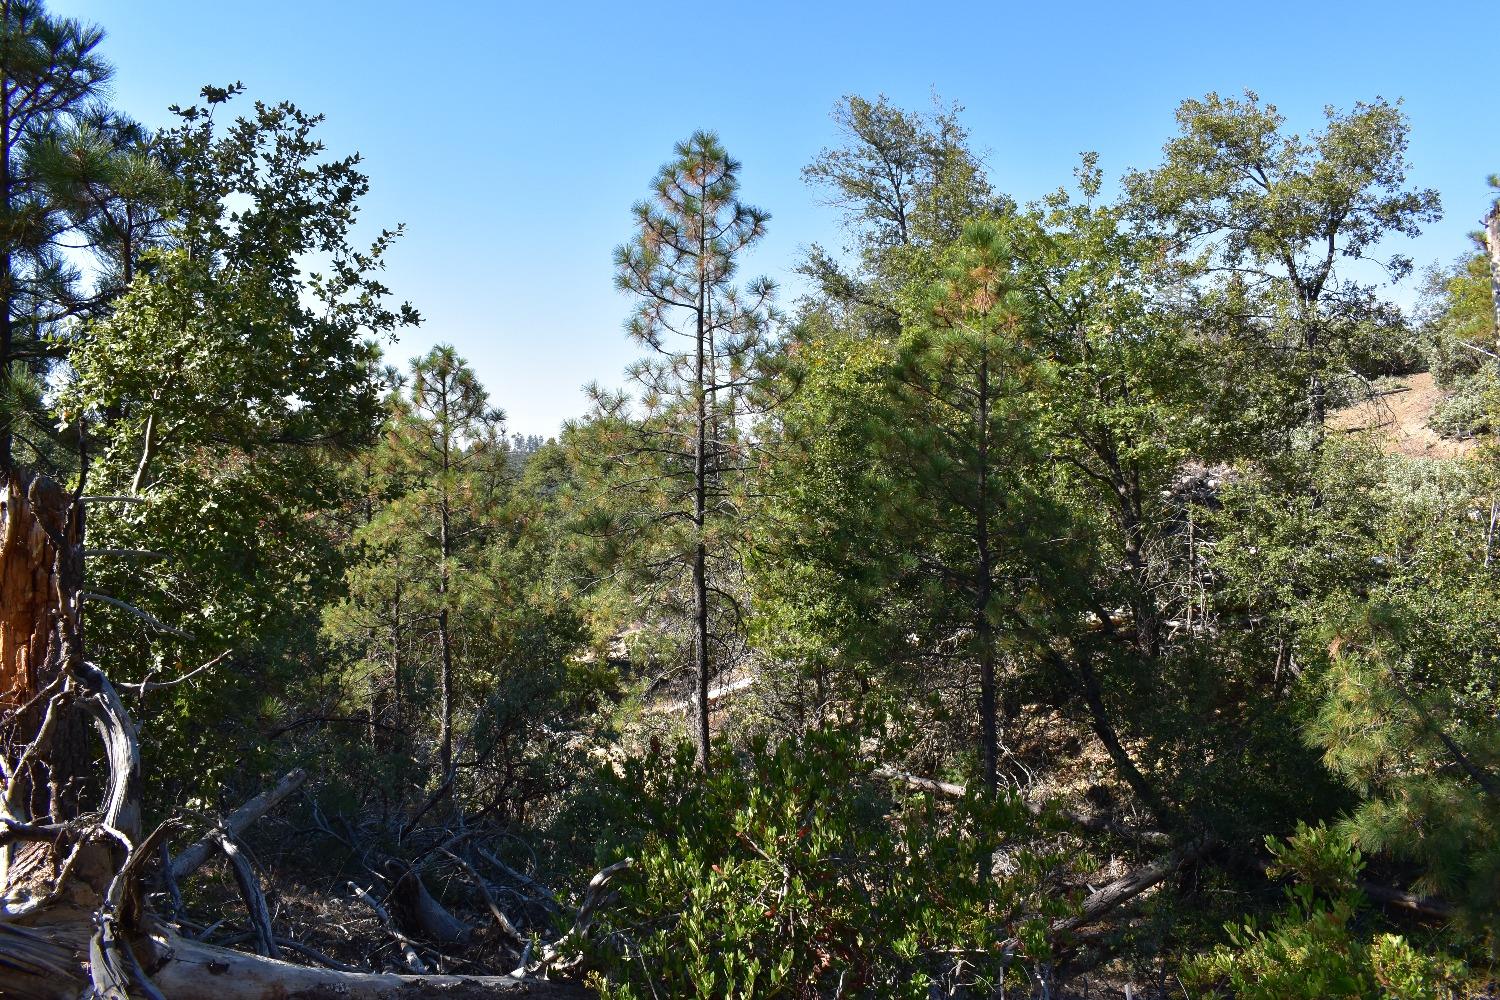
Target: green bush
1468	410
792	871
1312	950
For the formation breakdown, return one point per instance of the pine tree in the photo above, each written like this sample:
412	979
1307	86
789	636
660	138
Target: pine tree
51	77
965	423
452	443
705	336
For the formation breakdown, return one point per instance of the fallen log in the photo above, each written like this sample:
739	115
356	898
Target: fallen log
1126	888
716	694
46	963
1119	892
421	914
507	929
1423	906
235	824
1429	907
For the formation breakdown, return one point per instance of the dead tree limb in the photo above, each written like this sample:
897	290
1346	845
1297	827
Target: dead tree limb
507	928
314	954
421	914
1422	906
598	889
540	891
235	824
1088	821
113	967
140	613
250	892
43	963
1429	907
1126	888
1109	897
408	950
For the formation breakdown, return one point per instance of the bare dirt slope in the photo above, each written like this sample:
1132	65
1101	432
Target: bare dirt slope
1401	416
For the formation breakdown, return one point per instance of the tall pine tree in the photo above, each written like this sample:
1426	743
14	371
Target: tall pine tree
704	335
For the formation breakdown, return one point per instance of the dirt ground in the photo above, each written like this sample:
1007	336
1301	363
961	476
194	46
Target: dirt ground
1400	415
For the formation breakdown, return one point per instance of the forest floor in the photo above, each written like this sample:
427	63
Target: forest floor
1400	414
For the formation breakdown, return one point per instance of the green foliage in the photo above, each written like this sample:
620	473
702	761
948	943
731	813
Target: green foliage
825	554
1458	313
1314	949
1469	410
1271	218
908	184
1061	466
669	482
791	872
1418	740
219	390
448	627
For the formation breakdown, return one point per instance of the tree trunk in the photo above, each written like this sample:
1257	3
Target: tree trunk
1093	697
445	730
41	577
989	737
7	260
445	638
700	505
1492	244
1142	607
80	928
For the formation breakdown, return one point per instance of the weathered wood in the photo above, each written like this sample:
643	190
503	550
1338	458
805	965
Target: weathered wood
47	963
41	569
255	900
408	950
235	824
502	921
1424	906
598	889
422	915
1119	892
1126	888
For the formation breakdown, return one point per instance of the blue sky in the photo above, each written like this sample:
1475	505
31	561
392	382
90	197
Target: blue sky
512	138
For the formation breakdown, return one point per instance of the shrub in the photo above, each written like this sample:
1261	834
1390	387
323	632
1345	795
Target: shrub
792	871
1311	950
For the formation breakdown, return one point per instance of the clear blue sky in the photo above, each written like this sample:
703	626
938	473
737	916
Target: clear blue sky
512	138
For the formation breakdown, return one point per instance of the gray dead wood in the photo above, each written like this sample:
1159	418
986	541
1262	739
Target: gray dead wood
235	824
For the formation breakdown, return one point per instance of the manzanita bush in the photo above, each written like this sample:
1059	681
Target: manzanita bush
793	870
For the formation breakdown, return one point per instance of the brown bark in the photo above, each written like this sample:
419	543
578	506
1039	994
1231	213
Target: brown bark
34	517
41	576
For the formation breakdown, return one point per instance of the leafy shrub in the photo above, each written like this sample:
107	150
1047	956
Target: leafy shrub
1311	951
792	871
1467	410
